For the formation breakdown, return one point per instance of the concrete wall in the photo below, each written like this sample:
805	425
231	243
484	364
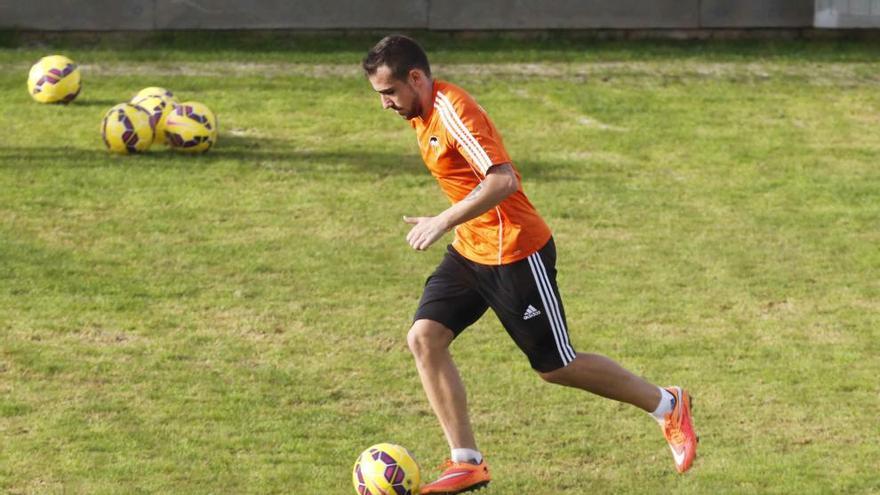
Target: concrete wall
290	14
100	15
756	13
65	15
564	14
848	13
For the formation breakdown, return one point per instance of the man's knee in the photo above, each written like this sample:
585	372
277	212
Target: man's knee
559	376
426	336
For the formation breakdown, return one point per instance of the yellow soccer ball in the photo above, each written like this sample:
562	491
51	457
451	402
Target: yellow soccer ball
158	108
386	468
126	129
190	127
156	91
54	79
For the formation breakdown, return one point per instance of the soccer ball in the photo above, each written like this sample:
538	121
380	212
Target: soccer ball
386	469
191	127
156	91
158	108
54	79
126	129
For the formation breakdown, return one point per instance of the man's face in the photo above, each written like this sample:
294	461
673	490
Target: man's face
400	96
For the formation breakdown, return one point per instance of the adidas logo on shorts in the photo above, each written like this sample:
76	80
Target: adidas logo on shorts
530	313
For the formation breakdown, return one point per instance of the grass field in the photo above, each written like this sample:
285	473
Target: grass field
235	323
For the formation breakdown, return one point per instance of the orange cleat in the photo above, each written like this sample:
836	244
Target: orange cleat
678	428
458	477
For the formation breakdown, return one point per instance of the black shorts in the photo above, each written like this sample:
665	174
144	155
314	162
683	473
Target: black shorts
523	294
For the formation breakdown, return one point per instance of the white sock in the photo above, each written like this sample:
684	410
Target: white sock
467	455
666	405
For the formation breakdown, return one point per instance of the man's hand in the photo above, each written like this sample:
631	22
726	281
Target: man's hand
425	231
500	182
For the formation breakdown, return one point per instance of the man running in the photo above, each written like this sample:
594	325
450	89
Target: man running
503	257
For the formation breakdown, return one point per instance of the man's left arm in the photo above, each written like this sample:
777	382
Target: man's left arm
500	182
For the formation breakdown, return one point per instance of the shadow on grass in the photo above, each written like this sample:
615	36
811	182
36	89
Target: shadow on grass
245	148
277	155
277	160
94	102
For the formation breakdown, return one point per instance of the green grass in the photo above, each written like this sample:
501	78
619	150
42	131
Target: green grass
235	322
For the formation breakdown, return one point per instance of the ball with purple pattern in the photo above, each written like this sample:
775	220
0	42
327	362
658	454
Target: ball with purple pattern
54	79
359	483
126	128
386	469
190	127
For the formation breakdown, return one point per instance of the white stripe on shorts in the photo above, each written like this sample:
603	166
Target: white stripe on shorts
548	298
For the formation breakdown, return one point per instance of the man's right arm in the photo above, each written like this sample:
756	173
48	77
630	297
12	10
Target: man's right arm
500	182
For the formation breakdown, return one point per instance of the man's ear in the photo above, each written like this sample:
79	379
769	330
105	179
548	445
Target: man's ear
416	76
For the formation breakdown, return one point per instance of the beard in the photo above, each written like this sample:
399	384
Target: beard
415	108
411	114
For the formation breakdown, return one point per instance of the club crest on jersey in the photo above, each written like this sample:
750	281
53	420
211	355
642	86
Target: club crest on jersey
434	141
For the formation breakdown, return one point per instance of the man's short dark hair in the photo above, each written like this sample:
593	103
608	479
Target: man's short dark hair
400	53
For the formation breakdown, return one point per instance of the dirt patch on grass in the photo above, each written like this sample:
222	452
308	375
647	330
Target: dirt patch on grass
832	73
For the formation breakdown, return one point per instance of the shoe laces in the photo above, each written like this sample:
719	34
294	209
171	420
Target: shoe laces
446	464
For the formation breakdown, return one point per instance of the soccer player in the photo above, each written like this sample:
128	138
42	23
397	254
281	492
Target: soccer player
503	257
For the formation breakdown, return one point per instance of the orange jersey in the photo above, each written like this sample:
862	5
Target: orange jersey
459	144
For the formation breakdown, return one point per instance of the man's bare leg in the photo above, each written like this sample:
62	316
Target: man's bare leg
429	342
602	376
